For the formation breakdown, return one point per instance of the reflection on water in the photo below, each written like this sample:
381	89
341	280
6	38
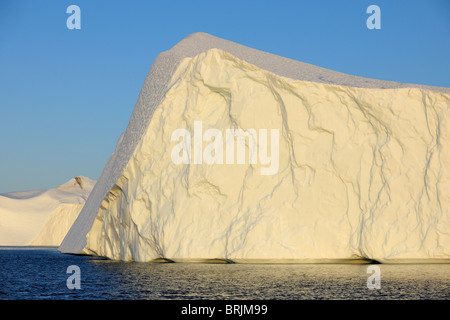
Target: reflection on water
40	273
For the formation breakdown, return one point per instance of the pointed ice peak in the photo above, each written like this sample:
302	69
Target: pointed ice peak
199	42
80	182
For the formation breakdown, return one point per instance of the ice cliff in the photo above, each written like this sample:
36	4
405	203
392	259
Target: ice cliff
42	217
363	165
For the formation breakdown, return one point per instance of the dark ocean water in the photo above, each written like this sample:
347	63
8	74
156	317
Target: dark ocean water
41	273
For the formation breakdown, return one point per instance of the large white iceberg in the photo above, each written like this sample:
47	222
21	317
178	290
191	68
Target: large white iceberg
362	166
42	217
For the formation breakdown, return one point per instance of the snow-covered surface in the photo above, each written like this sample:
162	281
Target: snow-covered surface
364	166
42	217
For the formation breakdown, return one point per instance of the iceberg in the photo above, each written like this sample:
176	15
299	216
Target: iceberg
42	217
319	166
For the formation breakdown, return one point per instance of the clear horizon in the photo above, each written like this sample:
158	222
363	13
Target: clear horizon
67	95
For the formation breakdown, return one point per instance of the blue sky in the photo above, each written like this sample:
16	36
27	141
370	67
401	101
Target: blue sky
67	95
